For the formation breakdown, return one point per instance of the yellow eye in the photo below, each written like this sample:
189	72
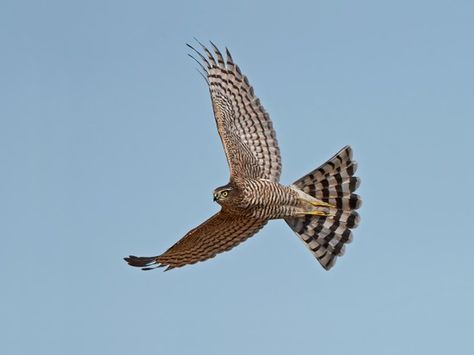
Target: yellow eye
225	193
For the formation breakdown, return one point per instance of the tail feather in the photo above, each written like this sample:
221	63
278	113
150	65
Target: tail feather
334	183
349	184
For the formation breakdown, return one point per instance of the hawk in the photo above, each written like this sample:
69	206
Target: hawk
320	207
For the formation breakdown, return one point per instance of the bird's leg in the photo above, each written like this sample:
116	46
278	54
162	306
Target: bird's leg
317	213
319	203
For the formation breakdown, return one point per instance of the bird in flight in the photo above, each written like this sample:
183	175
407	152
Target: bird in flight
320	207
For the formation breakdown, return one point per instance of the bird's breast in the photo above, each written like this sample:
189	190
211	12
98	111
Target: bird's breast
267	199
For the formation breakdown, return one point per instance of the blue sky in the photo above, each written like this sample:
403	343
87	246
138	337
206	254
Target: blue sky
108	147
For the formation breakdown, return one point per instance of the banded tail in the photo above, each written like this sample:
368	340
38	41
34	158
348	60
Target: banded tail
334	183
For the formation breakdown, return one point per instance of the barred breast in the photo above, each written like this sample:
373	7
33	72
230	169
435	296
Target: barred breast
268	199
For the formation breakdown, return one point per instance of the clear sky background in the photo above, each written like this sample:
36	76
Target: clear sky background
108	147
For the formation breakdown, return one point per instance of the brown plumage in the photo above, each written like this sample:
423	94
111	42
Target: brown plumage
319	207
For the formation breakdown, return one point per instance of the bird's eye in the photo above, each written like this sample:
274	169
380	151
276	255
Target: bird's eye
225	193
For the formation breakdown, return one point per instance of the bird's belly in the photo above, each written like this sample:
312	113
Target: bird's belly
274	212
270	200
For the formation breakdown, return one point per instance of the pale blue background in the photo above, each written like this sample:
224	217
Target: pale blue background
108	147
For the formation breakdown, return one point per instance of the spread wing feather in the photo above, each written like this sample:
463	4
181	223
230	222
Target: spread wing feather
244	126
220	233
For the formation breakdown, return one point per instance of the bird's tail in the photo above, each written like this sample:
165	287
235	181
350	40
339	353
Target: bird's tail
334	183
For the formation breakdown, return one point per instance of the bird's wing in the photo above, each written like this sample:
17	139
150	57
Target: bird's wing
243	124
220	233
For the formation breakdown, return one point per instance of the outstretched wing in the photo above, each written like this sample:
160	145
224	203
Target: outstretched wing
245	128
220	233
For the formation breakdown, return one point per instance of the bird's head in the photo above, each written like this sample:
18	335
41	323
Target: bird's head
223	194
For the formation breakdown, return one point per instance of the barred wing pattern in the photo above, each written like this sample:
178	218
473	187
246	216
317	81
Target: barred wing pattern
253	155
244	126
220	233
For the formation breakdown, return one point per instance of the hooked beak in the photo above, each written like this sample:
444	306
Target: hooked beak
215	198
